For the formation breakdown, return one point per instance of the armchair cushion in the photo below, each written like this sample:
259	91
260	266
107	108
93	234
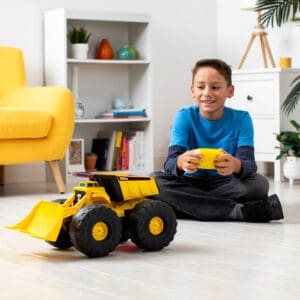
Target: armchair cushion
57	103
23	122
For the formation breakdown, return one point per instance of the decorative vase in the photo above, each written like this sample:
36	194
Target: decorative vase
127	52
90	162
105	51
119	103
80	50
79	110
291	168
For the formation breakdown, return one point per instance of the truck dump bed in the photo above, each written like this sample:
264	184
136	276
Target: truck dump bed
122	187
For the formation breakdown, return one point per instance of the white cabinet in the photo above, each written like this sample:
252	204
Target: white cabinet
261	93
97	82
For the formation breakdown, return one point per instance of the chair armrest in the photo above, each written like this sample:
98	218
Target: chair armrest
56	100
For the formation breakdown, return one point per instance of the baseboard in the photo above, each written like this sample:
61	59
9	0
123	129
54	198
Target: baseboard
24	173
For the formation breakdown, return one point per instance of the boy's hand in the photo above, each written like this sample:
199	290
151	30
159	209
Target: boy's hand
226	164
189	161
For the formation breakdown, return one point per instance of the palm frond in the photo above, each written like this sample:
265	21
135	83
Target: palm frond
279	11
296	125
292	98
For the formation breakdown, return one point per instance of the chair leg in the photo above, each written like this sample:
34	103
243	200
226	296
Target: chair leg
1	175
57	176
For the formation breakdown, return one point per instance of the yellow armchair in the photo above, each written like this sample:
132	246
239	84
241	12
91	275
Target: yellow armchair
36	123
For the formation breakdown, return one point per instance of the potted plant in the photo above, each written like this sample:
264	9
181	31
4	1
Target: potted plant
290	140
290	151
79	42
90	160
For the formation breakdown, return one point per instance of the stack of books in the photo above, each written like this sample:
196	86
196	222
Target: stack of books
129	113
119	150
124	113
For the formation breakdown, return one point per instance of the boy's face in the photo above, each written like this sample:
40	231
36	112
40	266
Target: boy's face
210	91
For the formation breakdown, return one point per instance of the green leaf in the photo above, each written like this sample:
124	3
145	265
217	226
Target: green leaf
295	124
78	35
292	99
289	141
279	11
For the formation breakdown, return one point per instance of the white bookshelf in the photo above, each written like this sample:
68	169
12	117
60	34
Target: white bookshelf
96	82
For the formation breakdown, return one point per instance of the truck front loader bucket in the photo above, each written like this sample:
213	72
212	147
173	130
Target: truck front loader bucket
43	222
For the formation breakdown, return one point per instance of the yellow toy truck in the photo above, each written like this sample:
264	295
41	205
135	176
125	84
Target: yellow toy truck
102	212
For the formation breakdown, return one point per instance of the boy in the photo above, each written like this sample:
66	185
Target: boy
233	191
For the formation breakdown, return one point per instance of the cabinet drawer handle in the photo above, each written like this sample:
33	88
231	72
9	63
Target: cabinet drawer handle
249	98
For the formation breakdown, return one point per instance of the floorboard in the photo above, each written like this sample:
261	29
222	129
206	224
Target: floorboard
206	260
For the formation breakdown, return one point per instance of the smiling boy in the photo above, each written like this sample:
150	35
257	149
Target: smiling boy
232	190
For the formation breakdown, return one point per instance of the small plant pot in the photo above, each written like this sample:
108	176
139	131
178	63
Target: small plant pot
291	168
80	51
90	162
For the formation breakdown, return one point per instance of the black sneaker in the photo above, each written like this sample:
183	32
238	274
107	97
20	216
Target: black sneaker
263	210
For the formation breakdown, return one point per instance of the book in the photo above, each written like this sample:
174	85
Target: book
129	112
122	113
136	151
140	150
123	158
100	147
125	153
120	150
113	149
110	151
105	115
117	151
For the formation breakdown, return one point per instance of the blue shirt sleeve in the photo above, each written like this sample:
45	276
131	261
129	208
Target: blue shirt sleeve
246	132
181	129
246	156
170	165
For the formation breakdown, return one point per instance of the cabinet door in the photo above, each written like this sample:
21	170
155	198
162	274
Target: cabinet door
264	139
254	96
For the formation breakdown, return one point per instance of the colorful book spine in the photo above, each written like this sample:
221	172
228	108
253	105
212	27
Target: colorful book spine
117	150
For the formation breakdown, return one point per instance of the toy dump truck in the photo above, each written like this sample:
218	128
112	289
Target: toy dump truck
101	212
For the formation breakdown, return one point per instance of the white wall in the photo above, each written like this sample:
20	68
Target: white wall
234	30
182	32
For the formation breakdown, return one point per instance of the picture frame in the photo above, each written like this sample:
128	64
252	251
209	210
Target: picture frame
75	156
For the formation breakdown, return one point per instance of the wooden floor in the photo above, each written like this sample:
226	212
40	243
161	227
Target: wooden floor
206	260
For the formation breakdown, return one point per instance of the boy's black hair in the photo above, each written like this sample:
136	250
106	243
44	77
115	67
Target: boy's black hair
223	68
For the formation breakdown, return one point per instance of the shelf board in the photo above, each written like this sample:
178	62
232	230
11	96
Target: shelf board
108	120
108	61
104	16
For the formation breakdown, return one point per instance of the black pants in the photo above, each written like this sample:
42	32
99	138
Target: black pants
209	198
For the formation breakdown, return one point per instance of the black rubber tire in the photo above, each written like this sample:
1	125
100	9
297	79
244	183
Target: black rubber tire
81	230
139	221
125	232
63	240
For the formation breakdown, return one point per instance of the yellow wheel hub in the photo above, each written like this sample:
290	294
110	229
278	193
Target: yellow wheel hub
100	231
156	225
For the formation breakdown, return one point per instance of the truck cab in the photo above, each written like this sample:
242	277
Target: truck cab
93	192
